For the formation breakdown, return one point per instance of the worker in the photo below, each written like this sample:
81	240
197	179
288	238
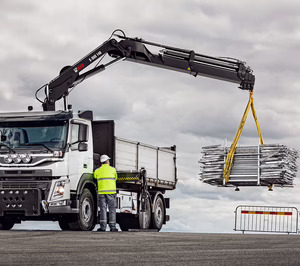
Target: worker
106	176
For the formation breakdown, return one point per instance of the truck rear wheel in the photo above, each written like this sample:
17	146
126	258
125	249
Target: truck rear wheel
147	215
158	216
64	224
130	221
85	219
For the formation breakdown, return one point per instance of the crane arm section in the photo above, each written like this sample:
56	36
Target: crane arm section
136	50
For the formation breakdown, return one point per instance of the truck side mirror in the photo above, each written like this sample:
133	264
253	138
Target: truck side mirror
82	146
83	133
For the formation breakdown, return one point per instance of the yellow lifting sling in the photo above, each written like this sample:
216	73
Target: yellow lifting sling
230	156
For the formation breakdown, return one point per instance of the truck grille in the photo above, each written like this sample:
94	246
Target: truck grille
27	185
10	185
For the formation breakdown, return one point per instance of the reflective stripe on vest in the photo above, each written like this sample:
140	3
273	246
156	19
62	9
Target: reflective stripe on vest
106	176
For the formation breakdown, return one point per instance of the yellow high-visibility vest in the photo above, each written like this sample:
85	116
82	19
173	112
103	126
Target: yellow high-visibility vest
106	176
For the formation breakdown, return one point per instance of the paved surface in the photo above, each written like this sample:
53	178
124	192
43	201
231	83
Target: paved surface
146	248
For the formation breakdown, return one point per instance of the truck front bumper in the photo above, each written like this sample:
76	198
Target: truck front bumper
29	203
25	202
59	207
62	210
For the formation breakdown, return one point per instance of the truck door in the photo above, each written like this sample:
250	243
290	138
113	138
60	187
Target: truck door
80	159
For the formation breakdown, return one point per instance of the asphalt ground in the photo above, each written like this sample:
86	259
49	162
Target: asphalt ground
20	247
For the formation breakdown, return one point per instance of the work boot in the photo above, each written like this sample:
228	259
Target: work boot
114	230
100	230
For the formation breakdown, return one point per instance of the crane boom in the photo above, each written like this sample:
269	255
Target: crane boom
135	50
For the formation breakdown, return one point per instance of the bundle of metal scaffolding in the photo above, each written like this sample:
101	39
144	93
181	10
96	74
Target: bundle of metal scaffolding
262	165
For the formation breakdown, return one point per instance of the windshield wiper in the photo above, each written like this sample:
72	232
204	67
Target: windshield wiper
5	145
37	144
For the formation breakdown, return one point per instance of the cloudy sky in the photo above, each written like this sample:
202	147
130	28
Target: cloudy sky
162	107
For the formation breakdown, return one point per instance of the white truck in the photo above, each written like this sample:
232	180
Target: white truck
47	161
47	158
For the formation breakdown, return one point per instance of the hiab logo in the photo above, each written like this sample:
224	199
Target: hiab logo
76	69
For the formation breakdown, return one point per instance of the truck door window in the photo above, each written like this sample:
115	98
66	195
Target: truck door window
74	136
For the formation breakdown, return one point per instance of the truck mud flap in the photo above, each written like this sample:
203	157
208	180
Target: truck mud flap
20	202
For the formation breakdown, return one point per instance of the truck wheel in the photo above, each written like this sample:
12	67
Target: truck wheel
127	221
147	215
64	224
6	225
158	214
85	219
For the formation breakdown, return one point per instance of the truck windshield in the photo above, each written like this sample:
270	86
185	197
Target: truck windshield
51	134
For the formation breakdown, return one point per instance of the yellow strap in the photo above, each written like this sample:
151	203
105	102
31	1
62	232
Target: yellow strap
255	118
230	156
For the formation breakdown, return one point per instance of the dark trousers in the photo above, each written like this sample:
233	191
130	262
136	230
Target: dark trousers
107	200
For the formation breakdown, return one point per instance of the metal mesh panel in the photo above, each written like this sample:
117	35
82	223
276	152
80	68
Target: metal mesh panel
266	219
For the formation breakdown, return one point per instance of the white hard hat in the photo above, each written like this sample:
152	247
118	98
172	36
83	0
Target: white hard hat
104	158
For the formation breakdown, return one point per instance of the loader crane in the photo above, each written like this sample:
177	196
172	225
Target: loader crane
136	50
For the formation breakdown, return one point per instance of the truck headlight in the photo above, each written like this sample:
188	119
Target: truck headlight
26	158
59	189
16	158
8	159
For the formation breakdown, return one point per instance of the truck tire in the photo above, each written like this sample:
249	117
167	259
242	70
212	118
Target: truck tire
64	224
130	221
85	219
158	216
127	221
6	224
147	215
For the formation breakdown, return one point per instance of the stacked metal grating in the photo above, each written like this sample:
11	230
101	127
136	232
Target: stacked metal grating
261	165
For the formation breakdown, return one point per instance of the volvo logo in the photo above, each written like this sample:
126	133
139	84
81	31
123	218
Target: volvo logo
18	158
